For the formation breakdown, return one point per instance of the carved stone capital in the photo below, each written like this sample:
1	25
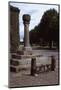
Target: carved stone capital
26	18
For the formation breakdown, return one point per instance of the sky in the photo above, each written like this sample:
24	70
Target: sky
36	12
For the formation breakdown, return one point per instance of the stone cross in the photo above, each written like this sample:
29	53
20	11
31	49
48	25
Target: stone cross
26	21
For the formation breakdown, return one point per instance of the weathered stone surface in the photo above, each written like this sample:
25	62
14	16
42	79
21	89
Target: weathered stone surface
53	63
33	66
15	63
23	52
16	56
26	21
14	29
15	69
26	18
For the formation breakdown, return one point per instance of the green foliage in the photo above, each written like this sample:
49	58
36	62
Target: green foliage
49	24
47	29
34	35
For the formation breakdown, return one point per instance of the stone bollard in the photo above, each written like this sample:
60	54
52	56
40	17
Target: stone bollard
33	67
53	63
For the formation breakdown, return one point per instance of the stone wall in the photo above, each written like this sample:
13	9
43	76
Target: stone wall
14	29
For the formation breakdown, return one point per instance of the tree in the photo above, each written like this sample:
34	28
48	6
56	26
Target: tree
47	29
49	26
34	38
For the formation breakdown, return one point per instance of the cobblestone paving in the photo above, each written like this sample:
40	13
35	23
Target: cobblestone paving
25	79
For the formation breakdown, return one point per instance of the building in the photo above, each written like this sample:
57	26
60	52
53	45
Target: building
14	28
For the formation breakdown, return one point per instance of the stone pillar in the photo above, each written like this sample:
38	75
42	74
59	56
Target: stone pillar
26	21
33	66
53	63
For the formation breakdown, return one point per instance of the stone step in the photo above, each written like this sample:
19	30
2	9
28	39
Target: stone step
21	62
20	52
18	56
15	69
14	62
23	52
19	68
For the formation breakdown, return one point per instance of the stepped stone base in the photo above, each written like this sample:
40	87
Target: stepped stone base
19	62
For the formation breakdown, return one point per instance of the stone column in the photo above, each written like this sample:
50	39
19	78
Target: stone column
26	21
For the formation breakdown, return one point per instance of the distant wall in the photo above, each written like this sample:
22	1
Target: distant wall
14	29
